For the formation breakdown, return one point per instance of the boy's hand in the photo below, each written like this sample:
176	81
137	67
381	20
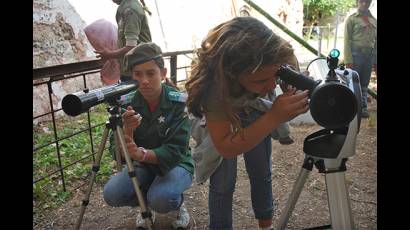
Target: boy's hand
133	151
131	120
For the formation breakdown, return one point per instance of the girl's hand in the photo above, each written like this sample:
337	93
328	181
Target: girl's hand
289	105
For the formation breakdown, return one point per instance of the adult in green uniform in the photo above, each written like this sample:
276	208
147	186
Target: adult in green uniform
133	29
360	37
157	133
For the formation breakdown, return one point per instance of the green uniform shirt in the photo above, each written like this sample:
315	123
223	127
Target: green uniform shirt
359	34
132	27
166	131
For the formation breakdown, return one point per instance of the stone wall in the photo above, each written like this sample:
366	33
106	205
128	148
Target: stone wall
58	38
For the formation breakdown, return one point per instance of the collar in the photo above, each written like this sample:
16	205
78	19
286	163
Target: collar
361	13
164	102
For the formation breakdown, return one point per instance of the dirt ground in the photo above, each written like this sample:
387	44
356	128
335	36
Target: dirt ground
311	209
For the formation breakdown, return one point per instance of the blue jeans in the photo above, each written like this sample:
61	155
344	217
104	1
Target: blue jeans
362	63
162	194
258	164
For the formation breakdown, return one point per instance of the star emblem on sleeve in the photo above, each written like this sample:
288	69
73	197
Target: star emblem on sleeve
161	119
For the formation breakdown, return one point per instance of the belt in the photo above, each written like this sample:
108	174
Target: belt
366	49
363	49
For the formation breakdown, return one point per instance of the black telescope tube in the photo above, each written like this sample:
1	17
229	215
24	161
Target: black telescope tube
332	105
77	103
296	79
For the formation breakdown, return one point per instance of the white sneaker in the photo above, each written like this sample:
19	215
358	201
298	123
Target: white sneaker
183	218
140	222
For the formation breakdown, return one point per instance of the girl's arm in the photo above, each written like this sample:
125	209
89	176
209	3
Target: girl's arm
286	107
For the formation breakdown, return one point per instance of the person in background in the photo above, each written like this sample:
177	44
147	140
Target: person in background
315	31
360	36
133	29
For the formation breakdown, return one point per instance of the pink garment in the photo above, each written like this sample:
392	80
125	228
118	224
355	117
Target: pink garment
103	34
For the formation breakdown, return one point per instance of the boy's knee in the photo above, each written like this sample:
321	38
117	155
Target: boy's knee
164	202
118	198
109	196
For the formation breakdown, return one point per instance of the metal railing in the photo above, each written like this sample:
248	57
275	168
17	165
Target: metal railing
48	75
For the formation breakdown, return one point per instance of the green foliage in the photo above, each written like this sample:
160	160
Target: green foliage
48	192
314	8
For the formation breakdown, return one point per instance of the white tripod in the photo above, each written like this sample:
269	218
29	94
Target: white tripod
328	150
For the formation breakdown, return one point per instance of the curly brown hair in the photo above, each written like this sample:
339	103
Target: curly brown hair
230	50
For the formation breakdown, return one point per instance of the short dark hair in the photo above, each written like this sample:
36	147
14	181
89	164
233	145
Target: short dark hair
367	1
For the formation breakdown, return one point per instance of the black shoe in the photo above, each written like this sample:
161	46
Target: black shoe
285	140
365	113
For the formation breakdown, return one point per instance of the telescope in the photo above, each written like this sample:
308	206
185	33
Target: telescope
335	105
333	102
117	94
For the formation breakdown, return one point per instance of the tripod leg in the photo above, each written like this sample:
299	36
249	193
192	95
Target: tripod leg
131	172
95	168
117	152
297	189
339	203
